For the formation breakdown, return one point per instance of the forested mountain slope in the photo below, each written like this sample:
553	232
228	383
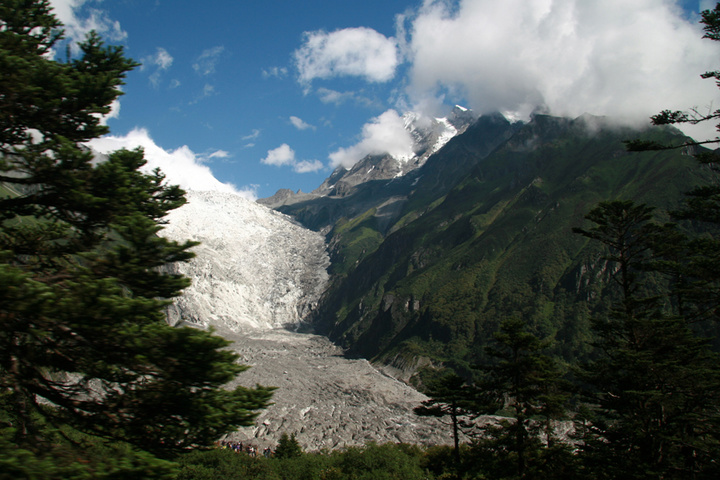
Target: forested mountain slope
484	232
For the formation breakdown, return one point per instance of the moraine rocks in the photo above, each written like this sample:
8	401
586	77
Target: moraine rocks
255	277
327	400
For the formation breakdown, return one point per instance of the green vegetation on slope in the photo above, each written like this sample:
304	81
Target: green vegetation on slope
371	462
498	244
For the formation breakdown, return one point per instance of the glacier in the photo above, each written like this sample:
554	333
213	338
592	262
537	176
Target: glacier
254	268
255	277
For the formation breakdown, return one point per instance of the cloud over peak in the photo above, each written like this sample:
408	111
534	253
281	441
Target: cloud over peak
627	59
383	134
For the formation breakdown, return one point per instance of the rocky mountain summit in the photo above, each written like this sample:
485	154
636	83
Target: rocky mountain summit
255	277
429	135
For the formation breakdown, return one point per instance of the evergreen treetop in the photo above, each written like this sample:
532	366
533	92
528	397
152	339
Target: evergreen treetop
83	283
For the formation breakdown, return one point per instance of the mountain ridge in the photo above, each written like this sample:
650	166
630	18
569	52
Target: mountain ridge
480	232
429	135
414	272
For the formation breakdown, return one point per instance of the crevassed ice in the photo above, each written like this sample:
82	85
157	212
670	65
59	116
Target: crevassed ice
254	270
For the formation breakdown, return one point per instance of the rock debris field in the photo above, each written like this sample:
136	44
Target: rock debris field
327	400
256	274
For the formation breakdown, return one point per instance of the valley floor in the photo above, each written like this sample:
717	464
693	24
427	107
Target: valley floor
327	400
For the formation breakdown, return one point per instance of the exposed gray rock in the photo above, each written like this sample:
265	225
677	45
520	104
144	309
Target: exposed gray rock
255	272
429	135
327	400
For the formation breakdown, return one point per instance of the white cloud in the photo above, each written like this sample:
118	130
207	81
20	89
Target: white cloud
65	10
383	134
333	96
253	135
114	112
250	139
181	166
327	95
219	154
207	91
285	156
76	27
620	58
361	52
308	166
300	124
282	155
277	72
161	60
208	59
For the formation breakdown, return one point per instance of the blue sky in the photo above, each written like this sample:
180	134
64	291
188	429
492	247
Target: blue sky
257	96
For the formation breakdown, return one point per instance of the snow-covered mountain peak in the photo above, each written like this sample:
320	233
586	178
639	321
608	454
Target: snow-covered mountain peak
428	135
255	269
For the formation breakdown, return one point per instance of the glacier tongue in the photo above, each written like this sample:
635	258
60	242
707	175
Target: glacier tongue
256	272
254	268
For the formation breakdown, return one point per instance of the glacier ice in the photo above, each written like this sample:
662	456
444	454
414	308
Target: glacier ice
254	268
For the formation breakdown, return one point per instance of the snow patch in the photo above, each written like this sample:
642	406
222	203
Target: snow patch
446	134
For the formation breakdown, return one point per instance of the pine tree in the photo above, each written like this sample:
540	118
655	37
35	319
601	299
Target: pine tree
83	337
450	396
528	383
288	447
699	289
655	382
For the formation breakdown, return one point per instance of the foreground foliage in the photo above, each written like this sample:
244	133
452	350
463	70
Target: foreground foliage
372	462
656	382
84	346
74	456
379	462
